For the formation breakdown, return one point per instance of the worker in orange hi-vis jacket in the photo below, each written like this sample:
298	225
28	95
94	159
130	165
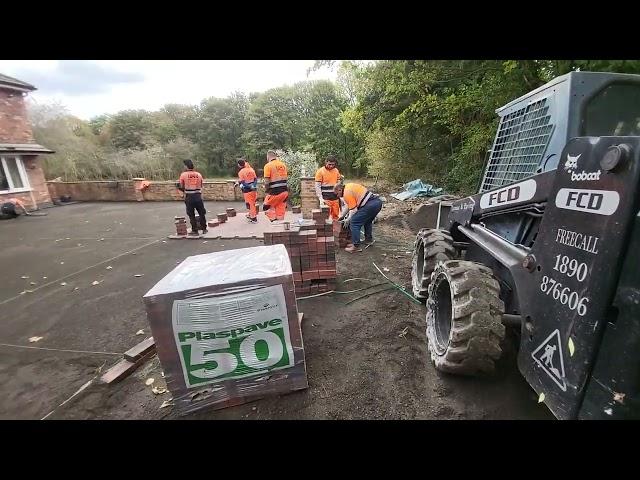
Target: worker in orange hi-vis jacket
11	209
327	178
361	208
248	182
191	184
277	192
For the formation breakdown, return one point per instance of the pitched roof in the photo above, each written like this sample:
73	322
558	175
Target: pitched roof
32	148
9	82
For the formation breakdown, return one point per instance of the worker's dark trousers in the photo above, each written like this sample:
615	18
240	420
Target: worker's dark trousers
193	201
7	211
364	217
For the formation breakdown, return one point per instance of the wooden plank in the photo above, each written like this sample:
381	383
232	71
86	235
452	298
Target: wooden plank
140	350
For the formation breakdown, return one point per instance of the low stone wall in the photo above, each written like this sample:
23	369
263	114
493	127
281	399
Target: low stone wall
129	191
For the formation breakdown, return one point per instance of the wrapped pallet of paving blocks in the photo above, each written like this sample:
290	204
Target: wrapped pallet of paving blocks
226	328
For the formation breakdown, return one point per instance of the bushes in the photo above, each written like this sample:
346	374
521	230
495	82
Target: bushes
299	164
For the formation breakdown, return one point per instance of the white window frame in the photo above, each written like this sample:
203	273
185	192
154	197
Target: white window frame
21	170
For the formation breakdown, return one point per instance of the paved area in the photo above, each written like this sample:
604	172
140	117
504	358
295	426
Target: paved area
239	227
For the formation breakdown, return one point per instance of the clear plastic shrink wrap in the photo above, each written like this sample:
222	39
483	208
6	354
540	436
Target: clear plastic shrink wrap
226	328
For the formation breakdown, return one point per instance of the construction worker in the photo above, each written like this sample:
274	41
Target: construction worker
248	182
11	209
275	183
191	184
327	178
360	209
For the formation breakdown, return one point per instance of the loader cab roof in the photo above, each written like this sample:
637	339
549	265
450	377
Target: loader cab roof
573	77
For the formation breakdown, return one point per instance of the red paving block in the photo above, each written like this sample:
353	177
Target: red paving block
222	217
327	273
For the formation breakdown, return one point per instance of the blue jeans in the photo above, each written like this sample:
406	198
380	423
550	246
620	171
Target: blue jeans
364	217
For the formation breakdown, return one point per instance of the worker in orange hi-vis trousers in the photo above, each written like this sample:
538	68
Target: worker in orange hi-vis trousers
327	178
275	183
248	182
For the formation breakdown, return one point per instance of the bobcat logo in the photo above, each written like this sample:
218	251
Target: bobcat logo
572	163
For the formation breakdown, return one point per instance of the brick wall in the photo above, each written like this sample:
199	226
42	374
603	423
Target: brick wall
125	191
308	198
39	196
14	123
37	181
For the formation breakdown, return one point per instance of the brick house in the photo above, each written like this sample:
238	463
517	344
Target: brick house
21	174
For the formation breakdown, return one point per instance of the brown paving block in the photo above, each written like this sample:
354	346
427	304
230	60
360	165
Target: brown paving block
124	368
222	217
140	350
231	212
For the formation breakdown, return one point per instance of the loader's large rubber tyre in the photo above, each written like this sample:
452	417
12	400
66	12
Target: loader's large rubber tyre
431	246
464	318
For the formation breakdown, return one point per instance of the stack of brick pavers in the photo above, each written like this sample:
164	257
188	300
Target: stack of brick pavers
227	329
181	225
343	236
312	252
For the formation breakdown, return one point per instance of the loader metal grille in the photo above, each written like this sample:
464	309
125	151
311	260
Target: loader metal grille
521	140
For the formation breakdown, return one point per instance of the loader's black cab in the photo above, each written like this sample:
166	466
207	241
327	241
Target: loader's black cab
557	222
535	128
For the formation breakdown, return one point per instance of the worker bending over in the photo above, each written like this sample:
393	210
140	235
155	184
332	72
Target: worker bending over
327	178
361	208
191	184
11	209
275	183
248	182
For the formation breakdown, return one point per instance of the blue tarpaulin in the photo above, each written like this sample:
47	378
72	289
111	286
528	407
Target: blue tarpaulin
417	188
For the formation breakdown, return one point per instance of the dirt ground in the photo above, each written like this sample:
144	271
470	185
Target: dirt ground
365	360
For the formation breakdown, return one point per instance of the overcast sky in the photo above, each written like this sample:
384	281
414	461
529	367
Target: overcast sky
92	87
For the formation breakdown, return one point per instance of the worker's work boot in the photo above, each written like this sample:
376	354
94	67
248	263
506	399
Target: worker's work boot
194	233
351	248
194	227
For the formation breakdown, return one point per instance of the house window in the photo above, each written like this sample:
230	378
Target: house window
13	177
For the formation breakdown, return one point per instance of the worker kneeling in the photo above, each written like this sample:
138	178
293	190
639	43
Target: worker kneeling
327	178
360	210
11	209
275	184
248	182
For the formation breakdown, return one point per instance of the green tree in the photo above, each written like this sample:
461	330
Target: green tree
131	129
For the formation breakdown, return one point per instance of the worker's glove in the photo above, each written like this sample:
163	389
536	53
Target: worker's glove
347	220
237	184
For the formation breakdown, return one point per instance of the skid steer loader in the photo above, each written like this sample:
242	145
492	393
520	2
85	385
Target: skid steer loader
548	247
